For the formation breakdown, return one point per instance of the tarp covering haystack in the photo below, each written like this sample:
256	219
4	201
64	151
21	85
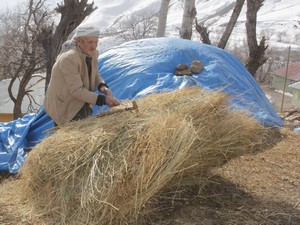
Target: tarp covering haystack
117	168
139	68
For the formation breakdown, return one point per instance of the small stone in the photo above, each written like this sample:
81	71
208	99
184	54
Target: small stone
182	67
183	72
196	66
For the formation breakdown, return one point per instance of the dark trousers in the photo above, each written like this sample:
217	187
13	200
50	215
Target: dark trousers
84	112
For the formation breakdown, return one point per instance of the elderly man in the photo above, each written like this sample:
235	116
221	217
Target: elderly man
75	78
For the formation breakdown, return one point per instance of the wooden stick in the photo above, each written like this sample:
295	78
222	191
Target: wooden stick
113	111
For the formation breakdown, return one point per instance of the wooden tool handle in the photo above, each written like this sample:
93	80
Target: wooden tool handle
113	111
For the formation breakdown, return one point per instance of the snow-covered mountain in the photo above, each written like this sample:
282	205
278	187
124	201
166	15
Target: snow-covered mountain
278	20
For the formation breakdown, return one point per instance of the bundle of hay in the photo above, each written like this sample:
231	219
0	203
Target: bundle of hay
109	170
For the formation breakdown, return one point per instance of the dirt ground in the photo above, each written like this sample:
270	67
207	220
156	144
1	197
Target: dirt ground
280	103
260	188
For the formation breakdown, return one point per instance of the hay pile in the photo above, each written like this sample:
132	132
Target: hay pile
111	169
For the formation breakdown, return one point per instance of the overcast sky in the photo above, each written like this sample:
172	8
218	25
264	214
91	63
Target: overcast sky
7	4
10	4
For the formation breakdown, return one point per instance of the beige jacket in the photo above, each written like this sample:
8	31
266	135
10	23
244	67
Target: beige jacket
70	87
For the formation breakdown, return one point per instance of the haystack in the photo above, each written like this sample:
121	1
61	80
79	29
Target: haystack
112	169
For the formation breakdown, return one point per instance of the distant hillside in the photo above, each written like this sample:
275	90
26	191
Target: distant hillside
278	20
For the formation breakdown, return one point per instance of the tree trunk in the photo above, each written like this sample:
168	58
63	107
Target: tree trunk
163	14
18	101
234	16
188	19
73	12
202	30
257	57
256	52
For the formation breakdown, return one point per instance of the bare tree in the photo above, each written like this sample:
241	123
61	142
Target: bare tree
229	28
297	37
137	26
162	20
203	31
73	12
267	33
281	35
23	54
188	19
32	45
256	52
265	77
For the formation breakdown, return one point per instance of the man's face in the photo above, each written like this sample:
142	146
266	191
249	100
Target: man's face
88	45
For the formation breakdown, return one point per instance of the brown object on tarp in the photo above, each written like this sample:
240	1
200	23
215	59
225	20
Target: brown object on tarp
183	72
182	69
196	66
115	169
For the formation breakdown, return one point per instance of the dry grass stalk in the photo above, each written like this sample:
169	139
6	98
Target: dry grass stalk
106	170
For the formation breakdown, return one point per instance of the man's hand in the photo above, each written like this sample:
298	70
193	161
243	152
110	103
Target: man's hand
111	101
106	90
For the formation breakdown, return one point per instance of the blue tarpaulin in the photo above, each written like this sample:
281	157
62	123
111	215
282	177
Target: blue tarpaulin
138	68
19	136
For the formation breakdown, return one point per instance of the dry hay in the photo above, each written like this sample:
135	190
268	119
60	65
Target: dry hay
112	169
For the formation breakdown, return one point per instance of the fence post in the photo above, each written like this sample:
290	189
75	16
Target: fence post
285	78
